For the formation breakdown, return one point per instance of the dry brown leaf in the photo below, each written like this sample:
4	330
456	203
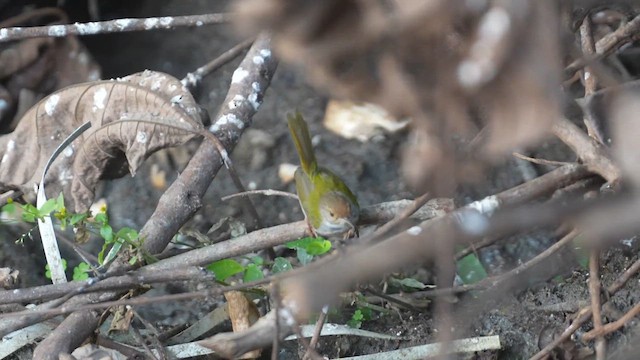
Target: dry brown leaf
8	278
361	121
243	313
131	118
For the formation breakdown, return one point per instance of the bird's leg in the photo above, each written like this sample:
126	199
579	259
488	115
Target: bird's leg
312	231
351	233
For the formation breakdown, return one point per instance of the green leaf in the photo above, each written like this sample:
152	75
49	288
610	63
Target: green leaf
81	272
356	319
29	213
101	253
128	234
281	264
101	218
470	269
225	268
303	256
76	218
114	251
252	273
59	202
313	246
318	247
47	208
257	260
107	233
9	208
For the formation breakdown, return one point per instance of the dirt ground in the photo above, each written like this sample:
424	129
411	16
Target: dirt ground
525	318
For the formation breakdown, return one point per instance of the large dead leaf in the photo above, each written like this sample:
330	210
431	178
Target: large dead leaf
131	118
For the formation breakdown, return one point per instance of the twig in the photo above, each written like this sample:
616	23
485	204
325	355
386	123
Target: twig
123	282
539	161
137	337
316	333
405	214
228	164
594	291
590	80
111	26
389	298
608	44
133	301
590	151
268	192
154	333
192	79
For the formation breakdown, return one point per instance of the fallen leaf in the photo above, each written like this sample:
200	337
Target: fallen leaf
360	121
131	118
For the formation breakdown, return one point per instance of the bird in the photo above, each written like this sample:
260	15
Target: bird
330	208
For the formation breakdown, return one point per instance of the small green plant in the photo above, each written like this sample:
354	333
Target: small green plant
306	249
360	315
83	224
81	272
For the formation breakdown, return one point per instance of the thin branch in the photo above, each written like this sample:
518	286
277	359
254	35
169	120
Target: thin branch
192	79
590	80
539	161
316	333
591	152
112	26
267	192
608	44
613	326
594	292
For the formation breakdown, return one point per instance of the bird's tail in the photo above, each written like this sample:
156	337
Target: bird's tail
302	140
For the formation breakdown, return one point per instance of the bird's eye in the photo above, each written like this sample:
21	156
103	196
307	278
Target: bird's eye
331	214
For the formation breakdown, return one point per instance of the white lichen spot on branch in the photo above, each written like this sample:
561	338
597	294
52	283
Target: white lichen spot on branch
57	30
227	119
486	206
237	101
150	23
123	23
166	21
472	222
265	53
88	28
239	75
255	98
414	231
